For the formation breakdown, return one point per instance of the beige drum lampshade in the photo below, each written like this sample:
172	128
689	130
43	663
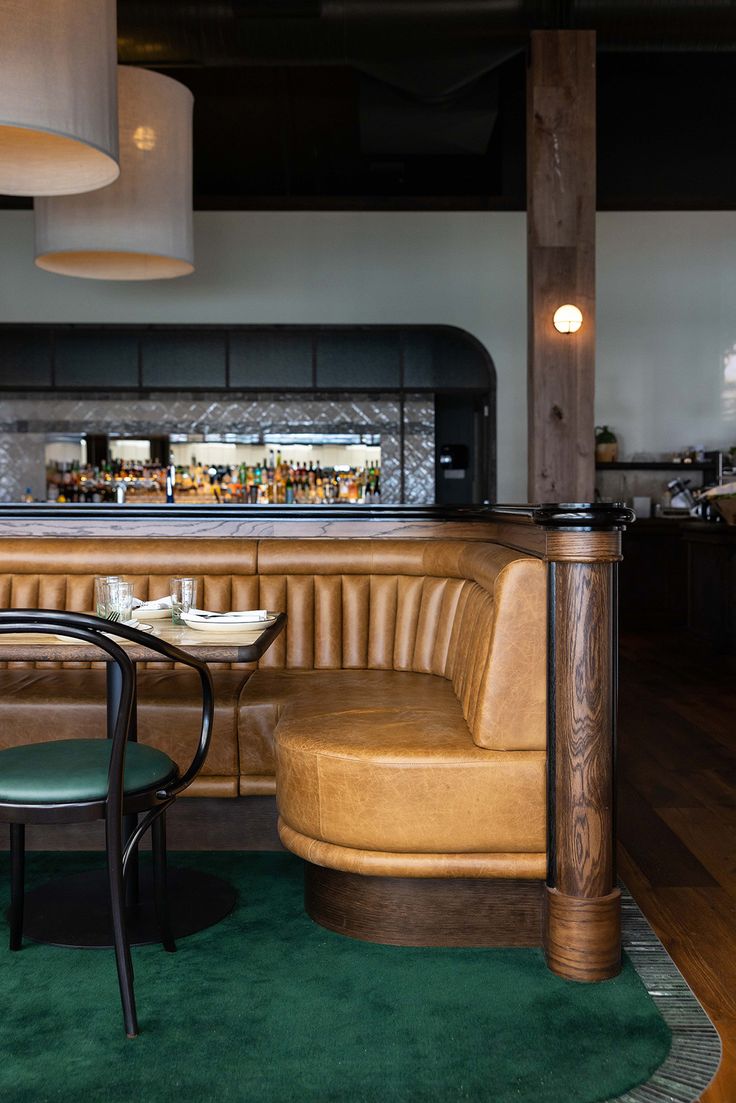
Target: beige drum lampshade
140	227
58	109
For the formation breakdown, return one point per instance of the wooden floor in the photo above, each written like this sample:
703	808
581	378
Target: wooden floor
677	817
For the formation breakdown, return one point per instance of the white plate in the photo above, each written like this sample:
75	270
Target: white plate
228	627
163	612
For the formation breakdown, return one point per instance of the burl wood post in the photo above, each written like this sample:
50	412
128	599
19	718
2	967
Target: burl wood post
582	932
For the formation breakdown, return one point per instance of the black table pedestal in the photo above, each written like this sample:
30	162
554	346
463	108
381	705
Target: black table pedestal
75	910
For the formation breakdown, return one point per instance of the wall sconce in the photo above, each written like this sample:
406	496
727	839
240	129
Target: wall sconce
567	319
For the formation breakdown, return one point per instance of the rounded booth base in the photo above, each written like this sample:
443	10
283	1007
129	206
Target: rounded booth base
425	911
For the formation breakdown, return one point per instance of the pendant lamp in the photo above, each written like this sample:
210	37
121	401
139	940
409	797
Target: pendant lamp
140	227
58	91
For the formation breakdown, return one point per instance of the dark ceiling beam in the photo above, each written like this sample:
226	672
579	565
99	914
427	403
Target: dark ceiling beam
362	32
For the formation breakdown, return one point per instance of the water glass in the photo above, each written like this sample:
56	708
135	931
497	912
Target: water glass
119	600
183	597
102	592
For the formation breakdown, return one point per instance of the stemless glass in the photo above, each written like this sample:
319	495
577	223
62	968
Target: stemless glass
102	592
183	597
119	600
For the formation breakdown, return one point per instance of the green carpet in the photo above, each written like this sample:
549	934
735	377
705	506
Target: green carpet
269	1007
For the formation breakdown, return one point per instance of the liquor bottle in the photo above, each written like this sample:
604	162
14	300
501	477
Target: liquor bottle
170	480
289	489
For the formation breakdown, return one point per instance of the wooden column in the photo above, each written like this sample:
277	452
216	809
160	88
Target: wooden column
582	921
561	264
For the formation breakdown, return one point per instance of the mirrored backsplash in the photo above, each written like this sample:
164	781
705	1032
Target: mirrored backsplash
404	429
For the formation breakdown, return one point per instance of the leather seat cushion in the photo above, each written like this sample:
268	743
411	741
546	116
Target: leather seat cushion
73	770
39	705
271	694
384	761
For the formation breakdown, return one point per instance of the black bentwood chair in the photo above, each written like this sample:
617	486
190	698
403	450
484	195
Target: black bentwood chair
74	780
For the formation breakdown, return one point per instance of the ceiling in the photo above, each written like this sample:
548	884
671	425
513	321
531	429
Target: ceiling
420	104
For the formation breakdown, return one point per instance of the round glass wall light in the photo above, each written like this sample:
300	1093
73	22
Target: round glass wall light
568	318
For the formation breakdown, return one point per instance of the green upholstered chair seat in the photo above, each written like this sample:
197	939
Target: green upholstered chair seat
75	770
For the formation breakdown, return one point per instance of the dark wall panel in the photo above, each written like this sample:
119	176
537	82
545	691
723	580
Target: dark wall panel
94	358
183	358
25	358
444	359
357	358
455	424
259	360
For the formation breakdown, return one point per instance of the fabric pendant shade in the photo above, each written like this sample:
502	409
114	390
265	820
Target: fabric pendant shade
140	227
58	93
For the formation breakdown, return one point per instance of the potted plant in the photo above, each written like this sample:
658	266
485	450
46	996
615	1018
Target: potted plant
606	445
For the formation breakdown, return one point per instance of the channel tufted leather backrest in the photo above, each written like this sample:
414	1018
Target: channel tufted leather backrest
364	622
468	611
471	612
59	574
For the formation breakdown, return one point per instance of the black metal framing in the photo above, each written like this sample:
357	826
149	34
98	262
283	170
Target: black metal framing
118	806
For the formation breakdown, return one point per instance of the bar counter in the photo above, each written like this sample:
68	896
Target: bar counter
38	520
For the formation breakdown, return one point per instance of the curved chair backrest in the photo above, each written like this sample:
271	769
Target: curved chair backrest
81	627
94	630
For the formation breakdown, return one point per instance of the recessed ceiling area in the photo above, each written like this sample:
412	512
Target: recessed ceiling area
305	105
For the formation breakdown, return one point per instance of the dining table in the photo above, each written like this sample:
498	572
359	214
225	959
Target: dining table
74	910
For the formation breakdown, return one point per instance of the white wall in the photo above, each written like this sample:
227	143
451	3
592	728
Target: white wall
666	302
666	327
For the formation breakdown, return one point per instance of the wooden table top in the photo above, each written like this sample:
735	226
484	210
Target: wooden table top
243	645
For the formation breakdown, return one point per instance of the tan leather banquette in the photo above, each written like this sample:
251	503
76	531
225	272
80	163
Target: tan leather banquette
404	704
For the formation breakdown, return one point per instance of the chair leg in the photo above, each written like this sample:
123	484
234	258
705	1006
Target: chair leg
120	935
17	877
158	844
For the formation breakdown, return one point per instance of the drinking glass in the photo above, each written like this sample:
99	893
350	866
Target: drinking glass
102	592
183	597
119	600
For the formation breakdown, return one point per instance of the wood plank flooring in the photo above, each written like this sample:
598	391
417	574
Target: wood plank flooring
677	817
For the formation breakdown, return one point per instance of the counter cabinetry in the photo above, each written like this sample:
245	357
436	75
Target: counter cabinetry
711	592
680	574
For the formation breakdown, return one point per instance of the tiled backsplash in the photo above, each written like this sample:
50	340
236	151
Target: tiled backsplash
25	422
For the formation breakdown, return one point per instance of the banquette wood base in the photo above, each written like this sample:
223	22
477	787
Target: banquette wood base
425	911
582	936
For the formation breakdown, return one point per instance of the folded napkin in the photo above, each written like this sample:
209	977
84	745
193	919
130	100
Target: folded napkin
244	616
157	603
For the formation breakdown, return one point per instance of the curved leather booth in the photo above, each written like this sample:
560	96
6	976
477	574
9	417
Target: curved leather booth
403	709
415	744
447	634
401	718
